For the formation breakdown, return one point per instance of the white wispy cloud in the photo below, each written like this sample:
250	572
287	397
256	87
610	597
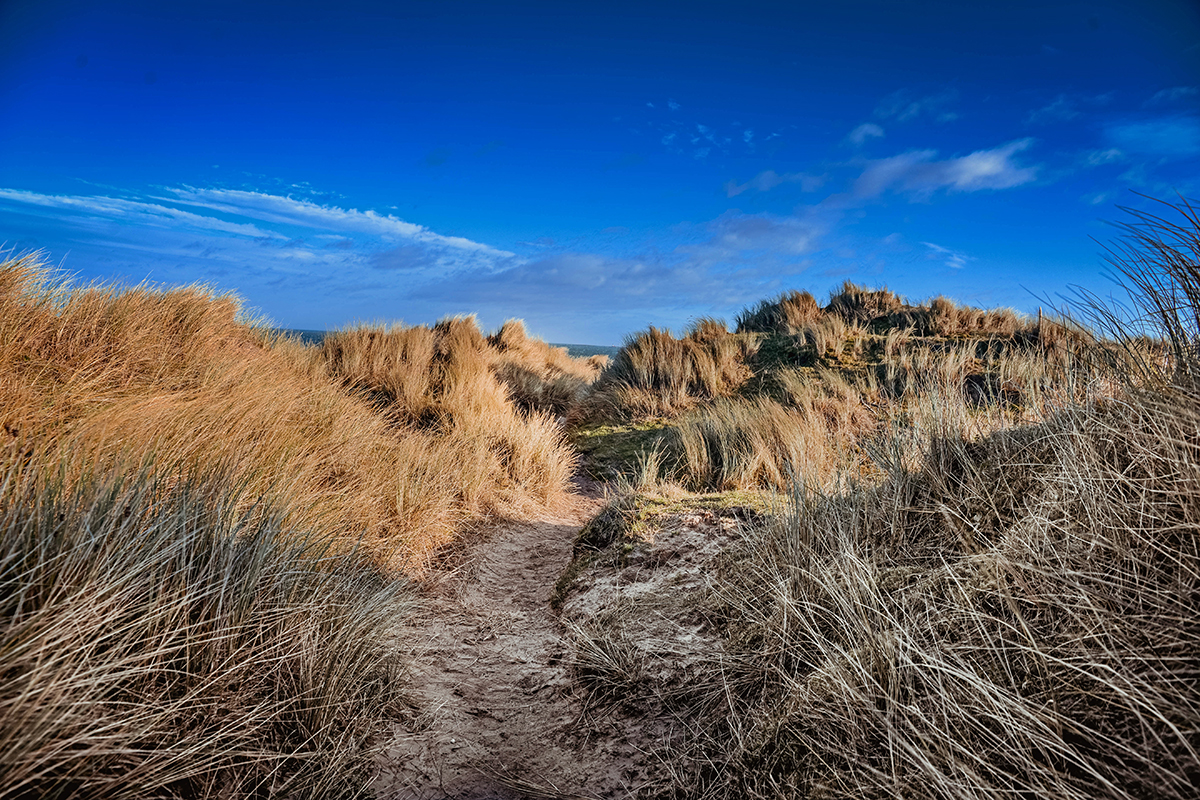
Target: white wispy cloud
285	255
1172	95
1098	157
736	238
868	130
904	106
769	179
919	173
131	212
1165	137
685	136
735	259
1061	109
1066	107
290	211
1096	198
951	258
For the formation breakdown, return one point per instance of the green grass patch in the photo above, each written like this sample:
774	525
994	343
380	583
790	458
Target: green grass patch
610	536
612	450
780	351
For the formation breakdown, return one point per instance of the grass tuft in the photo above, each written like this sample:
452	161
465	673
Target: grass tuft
656	375
1006	607
160	638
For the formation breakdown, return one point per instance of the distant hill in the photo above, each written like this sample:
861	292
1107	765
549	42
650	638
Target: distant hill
585	350
574	350
308	337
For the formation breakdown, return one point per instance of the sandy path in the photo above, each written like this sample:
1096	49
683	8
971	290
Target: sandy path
499	717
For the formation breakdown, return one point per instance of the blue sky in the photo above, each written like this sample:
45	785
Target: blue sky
591	168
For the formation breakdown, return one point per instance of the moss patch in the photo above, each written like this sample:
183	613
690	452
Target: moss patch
739	504
780	351
610	450
630	522
617	520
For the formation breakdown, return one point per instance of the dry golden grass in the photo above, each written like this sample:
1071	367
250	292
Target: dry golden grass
657	375
943	317
540	377
810	393
811	434
392	440
1006	608
790	312
830	336
160	638
859	305
798	313
817	425
201	526
738	444
1008	616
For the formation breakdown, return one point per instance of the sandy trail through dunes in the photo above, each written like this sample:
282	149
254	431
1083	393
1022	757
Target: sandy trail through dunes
498	715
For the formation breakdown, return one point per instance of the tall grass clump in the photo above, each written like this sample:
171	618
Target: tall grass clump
540	377
858	305
1014	615
430	377
1157	259
439	381
160	637
736	444
657	375
790	312
759	442
798	313
391	440
816	425
941	316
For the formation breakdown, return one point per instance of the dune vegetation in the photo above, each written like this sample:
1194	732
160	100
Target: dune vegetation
206	528
982	579
391	439
870	548
801	392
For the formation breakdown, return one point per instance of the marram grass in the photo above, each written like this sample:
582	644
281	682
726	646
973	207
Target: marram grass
160	637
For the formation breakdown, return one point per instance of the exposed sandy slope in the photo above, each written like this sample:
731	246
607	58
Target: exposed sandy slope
499	716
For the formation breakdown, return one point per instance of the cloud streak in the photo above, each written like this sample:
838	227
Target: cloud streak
735	259
1173	95
920	174
951	258
904	106
769	179
1167	137
1066	107
1061	109
280	210
131	212
868	130
288	256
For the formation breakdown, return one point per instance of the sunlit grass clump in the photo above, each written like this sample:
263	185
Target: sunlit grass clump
805	393
202	526
658	375
161	637
1006	606
389	440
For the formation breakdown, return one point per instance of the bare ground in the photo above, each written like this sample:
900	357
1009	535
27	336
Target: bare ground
497	713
